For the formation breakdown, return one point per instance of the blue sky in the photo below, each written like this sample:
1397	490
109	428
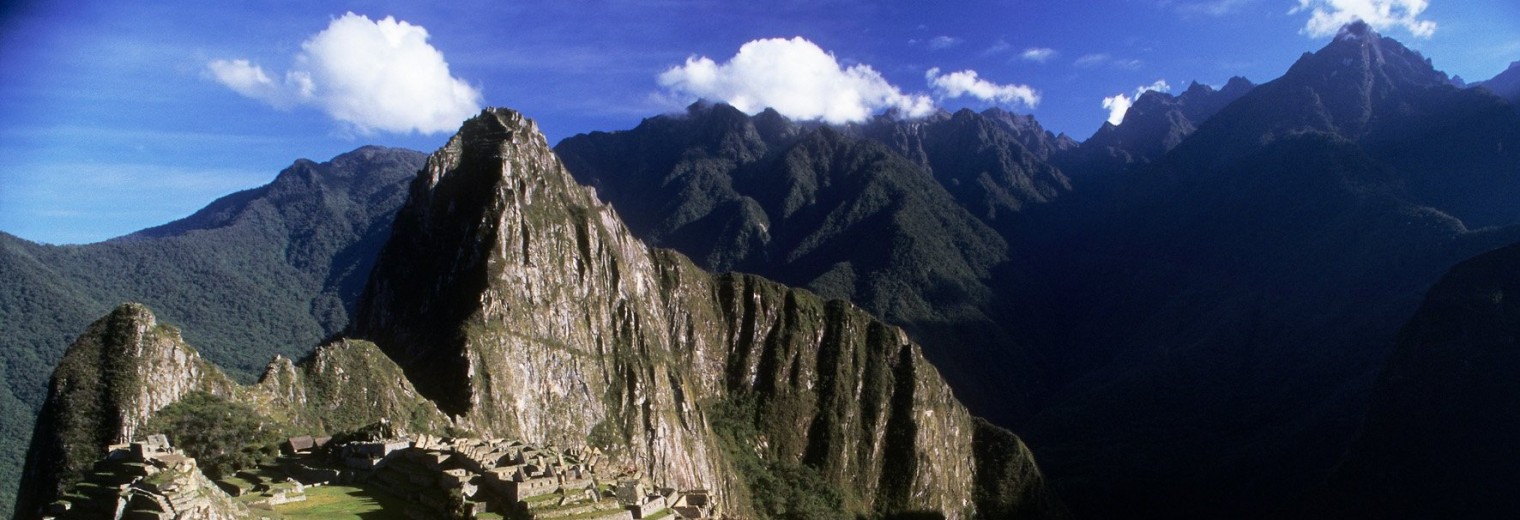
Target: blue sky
115	116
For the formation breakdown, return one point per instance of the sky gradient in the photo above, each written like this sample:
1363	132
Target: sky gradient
118	117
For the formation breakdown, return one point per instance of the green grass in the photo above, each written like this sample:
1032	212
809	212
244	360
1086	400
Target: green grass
343	503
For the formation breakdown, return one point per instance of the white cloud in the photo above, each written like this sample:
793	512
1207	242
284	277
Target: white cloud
1088	61
966	83
1092	60
373	75
250	80
943	42
1211	7
795	77
1118	104
997	47
1327	16
1038	54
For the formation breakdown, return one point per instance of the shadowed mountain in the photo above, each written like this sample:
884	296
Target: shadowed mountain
1154	125
264	271
1438	441
508	301
993	163
1217	317
911	238
1506	84
523	307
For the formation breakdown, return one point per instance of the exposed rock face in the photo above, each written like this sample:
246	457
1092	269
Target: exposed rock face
124	368
149	480
128	366
269	270
523	306
900	217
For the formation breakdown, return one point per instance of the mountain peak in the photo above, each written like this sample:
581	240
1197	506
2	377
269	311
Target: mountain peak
1343	86
521	305
1356	31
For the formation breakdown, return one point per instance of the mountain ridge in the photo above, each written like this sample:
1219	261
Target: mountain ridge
263	271
544	241
518	304
1267	263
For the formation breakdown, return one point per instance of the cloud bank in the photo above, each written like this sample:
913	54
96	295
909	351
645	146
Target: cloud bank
377	75
966	83
1118	104
1327	16
795	77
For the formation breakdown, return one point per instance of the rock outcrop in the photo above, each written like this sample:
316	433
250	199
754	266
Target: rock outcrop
147	480
900	217
128	366
522	305
124	368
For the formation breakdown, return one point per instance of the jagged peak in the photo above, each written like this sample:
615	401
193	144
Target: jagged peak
1357	52
493	122
1237	82
1198	89
1357	30
1153	97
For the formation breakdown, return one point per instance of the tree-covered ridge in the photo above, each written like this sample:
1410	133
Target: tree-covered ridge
269	270
1191	325
901	217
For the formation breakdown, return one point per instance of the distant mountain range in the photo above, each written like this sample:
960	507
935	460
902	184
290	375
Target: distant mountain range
1189	308
270	270
1195	313
519	306
1438	438
1224	310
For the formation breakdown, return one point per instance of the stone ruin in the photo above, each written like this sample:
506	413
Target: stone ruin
464	477
146	480
439	477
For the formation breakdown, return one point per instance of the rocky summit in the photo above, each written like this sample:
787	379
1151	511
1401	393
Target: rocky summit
510	303
521	304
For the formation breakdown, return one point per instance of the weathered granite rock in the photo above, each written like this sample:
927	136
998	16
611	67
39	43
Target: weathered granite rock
522	305
124	368
127	366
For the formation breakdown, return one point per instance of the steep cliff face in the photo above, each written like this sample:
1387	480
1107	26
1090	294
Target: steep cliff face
124	368
899	217
523	306
127	366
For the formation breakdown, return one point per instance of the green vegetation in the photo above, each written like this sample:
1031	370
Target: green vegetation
223	436
341	398
343	503
89	382
777	490
264	271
